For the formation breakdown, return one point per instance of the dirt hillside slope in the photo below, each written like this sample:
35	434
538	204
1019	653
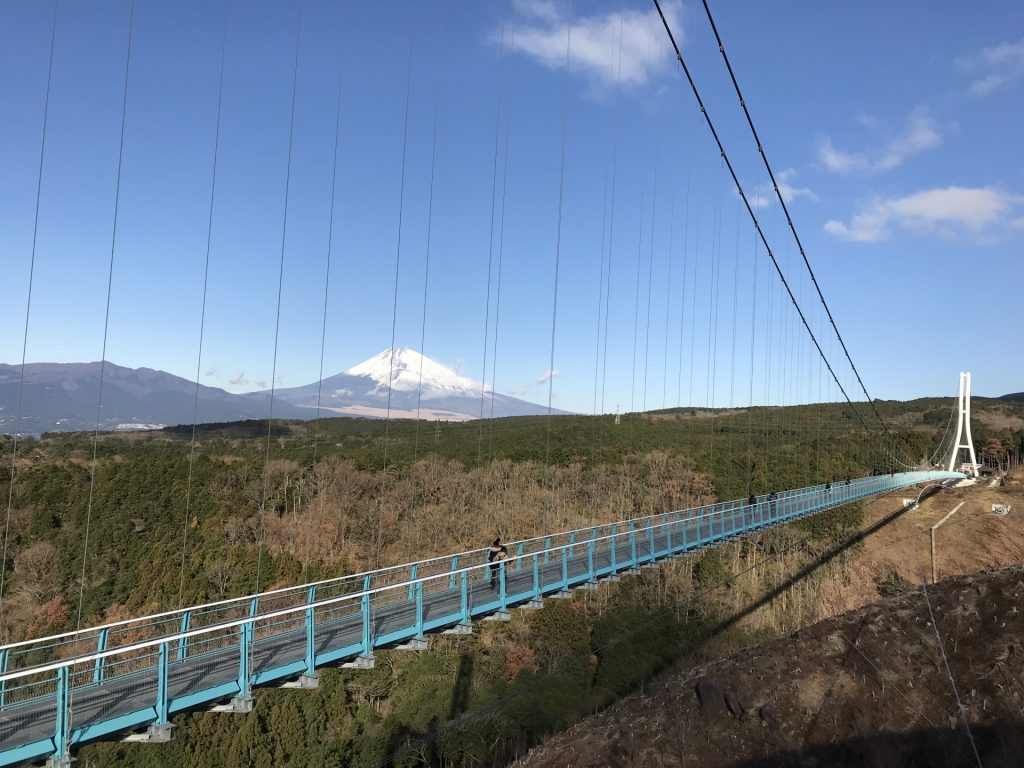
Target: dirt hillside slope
867	688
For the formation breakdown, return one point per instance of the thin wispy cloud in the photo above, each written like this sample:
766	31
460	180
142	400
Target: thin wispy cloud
547	376
994	68
763	197
946	212
919	133
238	380
619	46
542	379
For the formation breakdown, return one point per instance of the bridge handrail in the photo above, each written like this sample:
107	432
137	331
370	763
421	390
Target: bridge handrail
263	617
154	618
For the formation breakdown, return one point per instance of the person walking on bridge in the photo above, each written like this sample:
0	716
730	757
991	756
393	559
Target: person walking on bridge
492	552
495	554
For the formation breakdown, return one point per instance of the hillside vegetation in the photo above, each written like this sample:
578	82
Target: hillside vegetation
336	497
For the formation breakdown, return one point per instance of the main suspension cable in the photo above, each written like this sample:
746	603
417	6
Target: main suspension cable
746	202
782	202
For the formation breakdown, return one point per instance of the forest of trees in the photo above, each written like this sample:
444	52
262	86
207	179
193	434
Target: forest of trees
168	524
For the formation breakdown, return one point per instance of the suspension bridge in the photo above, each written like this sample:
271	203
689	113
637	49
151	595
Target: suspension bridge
126	679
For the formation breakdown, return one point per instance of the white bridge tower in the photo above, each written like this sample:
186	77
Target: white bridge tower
963	426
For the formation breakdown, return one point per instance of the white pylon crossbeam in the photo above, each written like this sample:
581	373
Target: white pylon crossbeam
963	427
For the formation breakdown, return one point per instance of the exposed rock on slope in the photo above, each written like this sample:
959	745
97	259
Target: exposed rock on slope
868	688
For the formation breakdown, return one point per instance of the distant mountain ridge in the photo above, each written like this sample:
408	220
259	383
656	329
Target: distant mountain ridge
62	397
1013	396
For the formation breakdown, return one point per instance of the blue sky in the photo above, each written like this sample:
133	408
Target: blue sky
895	129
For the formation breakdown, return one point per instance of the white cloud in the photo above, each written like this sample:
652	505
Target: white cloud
239	381
541	29
525	389
1018	224
762	197
931	211
994	67
919	134
547	375
790	192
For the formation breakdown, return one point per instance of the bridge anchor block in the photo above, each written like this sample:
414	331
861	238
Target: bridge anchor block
459	629
499	616
415	644
359	662
158	733
304	683
238	705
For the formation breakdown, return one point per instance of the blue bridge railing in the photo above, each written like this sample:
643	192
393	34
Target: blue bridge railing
70	688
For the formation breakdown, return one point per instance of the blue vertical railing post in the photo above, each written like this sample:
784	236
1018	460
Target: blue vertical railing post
684	527
186	623
413	573
364	609
565	568
455	567
311	632
101	646
668	534
650	538
161	685
244	648
536	577
732	512
60	731
464	596
590	560
613	544
632	543
5	654
519	555
502	592
572	541
419	610
547	549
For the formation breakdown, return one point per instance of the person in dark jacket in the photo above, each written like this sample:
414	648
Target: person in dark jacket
495	554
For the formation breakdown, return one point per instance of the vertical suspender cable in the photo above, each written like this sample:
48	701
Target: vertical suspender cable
202	311
611	240
650	283
600	298
394	300
327	293
103	355
490	261
753	346
668	297
277	315
426	281
497	300
106	314
558	257
28	305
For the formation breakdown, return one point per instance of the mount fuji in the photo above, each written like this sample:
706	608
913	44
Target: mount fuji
418	385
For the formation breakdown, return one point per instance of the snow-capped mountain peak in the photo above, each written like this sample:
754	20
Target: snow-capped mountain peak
403	366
